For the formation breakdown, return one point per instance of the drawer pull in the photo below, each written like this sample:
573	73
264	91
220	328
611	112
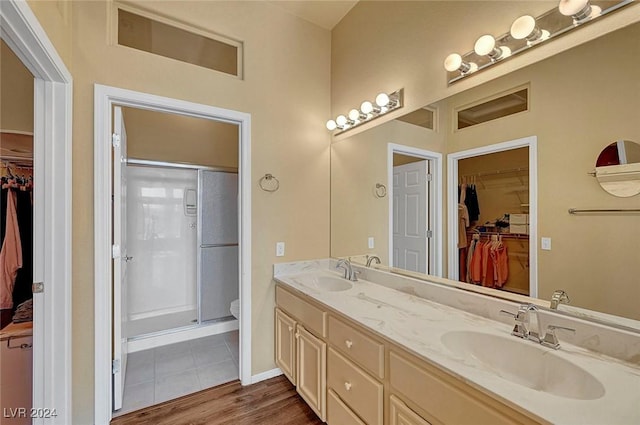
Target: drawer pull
348	343
347	386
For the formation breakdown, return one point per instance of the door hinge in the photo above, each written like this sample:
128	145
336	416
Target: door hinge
115	366
115	251
115	140
429	177
429	234
37	287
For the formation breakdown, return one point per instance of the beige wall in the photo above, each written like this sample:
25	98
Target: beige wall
386	45
286	90
16	93
55	16
159	136
580	101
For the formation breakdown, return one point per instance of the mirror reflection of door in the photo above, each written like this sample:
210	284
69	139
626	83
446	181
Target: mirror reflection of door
411	213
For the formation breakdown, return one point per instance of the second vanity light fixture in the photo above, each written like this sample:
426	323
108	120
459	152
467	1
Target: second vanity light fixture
384	103
525	32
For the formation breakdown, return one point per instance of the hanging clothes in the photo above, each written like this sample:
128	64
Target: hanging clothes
471	201
463	219
22	290
475	275
10	254
501	265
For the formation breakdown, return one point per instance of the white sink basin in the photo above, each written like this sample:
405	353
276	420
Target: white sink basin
325	283
524	363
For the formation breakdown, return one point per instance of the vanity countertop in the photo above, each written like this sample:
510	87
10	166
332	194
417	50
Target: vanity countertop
418	325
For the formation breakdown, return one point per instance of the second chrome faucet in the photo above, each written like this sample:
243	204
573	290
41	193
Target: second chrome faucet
523	326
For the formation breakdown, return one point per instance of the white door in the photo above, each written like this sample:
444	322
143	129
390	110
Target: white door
410	216
120	258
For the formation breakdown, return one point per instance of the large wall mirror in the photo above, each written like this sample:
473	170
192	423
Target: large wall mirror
579	101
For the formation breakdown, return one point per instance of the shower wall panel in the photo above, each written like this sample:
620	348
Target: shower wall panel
162	239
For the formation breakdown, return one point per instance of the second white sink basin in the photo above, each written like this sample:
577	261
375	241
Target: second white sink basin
325	283
524	363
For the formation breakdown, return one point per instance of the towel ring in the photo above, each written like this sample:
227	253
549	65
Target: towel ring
381	190
269	183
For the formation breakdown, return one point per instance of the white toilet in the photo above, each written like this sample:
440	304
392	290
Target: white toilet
234	308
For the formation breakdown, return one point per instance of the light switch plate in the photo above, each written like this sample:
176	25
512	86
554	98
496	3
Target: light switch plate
371	244
546	244
280	249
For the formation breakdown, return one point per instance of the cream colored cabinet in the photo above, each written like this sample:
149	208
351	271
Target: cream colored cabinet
401	415
311	373
339	413
286	345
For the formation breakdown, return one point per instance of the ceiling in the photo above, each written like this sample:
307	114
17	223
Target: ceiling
324	13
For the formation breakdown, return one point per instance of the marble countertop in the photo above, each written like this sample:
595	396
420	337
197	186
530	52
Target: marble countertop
418	324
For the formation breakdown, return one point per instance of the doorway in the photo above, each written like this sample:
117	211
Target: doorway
505	178
415	194
52	82
106	99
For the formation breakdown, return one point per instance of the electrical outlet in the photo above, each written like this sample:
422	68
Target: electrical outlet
371	244
546	244
280	249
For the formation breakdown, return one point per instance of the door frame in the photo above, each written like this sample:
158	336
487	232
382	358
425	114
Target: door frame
435	201
105	97
530	142
53	96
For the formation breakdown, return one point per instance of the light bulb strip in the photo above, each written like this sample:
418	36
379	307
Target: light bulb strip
368	111
548	25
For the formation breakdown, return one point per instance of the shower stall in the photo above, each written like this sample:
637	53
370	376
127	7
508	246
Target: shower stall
182	243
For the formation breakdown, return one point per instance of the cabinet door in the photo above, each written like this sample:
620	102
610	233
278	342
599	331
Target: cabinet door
402	415
286	345
311	372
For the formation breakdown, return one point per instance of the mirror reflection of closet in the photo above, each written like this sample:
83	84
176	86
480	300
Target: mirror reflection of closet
493	205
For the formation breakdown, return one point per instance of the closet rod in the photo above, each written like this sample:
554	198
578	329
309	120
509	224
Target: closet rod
603	210
493	173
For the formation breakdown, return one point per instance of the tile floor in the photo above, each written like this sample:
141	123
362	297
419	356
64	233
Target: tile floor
171	371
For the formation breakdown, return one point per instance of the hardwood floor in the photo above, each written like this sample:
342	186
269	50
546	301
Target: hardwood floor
270	402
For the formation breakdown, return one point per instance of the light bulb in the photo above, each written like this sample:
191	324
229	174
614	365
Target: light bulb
354	115
382	100
485	45
579	9
453	62
523	27
341	120
331	125
572	7
366	107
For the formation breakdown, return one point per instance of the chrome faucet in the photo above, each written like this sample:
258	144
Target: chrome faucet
349	273
559	296
372	258
523	325
523	322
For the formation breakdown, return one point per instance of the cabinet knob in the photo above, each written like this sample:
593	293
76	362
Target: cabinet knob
290	328
297	335
347	386
348	343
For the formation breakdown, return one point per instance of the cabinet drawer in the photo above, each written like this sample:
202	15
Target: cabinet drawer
311	317
356	388
363	350
338	413
401	415
438	396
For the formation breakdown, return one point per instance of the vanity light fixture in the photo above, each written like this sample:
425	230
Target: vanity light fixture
525	28
384	103
526	32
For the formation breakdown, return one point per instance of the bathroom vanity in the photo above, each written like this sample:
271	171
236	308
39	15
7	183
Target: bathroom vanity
377	353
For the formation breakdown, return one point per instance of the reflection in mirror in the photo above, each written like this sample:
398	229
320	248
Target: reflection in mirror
593	258
618	168
493	232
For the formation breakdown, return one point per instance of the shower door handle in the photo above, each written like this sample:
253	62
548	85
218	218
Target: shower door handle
127	258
